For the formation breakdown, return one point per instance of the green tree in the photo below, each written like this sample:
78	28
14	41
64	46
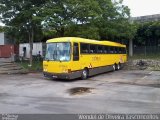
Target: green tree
105	19
23	17
1	29
113	20
62	15
148	34
95	19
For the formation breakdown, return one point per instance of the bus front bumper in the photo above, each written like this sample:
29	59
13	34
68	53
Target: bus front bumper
71	75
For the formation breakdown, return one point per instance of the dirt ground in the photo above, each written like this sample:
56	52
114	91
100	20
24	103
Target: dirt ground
143	64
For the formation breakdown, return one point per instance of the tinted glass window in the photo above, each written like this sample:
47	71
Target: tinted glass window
123	50
120	50
100	49
105	49
93	48
111	49
75	52
84	48
116	50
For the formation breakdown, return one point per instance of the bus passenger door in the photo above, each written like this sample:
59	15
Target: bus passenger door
75	65
75	52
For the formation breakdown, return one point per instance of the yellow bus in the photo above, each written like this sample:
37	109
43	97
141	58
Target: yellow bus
73	57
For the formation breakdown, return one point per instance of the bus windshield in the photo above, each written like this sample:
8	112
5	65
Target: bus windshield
58	51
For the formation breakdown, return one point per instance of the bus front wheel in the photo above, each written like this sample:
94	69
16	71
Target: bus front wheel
84	74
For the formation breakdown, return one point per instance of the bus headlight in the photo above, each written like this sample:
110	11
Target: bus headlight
65	70
45	70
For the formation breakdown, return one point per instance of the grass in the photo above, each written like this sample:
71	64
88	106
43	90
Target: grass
36	66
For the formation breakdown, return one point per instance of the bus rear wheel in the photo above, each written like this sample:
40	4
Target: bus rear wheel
84	74
118	66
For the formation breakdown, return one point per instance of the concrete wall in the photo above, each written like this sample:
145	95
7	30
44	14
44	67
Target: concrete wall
36	48
147	18
7	51
2	42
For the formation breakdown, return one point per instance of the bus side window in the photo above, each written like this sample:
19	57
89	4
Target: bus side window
111	50
84	48
105	50
100	49
93	48
123	50
120	50
116	50
75	52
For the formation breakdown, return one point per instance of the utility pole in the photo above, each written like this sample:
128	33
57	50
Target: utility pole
131	47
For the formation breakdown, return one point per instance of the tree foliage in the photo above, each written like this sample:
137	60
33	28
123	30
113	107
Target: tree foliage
103	19
62	15
114	20
22	17
148	34
96	19
1	29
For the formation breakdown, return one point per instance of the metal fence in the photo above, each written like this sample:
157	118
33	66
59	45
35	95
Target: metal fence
147	51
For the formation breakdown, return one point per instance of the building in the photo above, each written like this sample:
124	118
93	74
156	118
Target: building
38	49
7	47
4	40
148	18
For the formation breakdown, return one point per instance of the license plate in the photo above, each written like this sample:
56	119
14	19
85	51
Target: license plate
54	76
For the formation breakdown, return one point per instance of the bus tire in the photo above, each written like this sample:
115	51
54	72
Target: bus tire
118	67
114	67
84	74
119	64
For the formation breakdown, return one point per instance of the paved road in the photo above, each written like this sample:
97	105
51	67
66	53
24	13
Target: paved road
113	92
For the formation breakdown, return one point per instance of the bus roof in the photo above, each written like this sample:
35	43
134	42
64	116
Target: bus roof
83	40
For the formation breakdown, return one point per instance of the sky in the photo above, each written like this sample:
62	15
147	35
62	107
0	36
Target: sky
143	7
1	24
